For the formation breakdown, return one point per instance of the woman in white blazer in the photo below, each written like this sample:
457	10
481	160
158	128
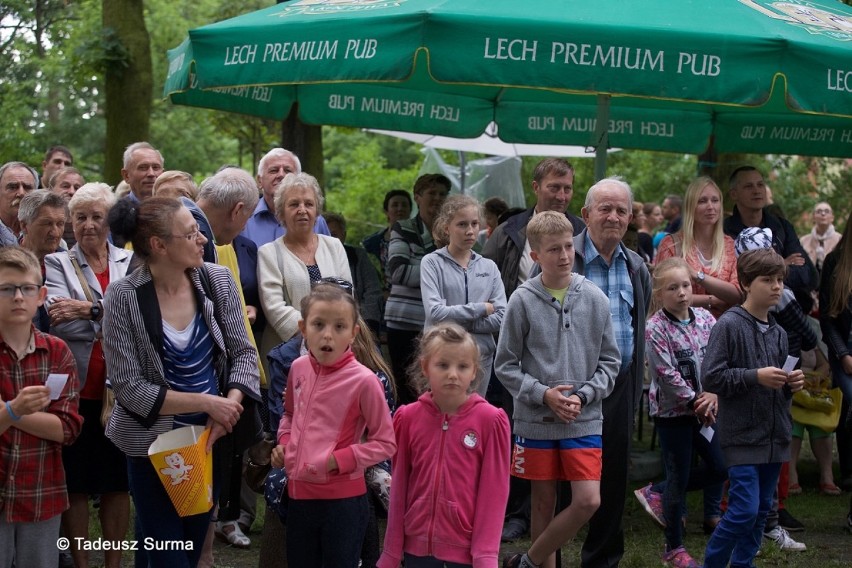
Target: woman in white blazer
76	281
287	266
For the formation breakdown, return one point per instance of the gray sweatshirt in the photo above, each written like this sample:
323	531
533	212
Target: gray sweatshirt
754	424
544	344
452	293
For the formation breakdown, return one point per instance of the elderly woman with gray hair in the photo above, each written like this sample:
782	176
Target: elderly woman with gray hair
287	266
76	281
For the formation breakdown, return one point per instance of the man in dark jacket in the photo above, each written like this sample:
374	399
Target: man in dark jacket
553	184
747	189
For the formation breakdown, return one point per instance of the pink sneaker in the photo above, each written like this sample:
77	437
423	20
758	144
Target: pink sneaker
679	558
652	503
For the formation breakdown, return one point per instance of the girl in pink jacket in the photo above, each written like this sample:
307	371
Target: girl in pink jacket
451	469
335	424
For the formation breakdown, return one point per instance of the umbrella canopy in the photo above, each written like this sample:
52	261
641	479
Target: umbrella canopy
490	143
743	75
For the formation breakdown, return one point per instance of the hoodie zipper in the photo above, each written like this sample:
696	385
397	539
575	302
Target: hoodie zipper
308	407
445	425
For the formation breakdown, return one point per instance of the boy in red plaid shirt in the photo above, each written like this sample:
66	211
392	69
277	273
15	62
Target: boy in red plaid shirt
34	424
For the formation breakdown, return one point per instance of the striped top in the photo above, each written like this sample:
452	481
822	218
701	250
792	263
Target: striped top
133	346
411	240
188	364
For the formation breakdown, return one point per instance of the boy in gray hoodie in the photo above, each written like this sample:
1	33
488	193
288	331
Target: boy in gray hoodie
558	358
742	365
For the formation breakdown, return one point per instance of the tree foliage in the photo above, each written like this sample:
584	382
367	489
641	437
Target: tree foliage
57	54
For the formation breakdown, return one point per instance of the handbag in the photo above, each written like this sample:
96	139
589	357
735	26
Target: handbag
275	492
249	427
817	404
108	402
259	462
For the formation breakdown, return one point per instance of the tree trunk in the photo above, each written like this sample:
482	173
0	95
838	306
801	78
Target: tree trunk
129	83
305	141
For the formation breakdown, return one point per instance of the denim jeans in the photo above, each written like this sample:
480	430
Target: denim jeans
326	533
678	438
738	536
158	521
840	379
430	562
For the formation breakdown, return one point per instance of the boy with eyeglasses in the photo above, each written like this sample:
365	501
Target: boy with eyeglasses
38	415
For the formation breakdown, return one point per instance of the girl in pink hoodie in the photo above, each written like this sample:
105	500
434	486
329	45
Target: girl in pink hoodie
336	423
451	469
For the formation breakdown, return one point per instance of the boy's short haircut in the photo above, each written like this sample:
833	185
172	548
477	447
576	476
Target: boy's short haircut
759	262
547	223
20	259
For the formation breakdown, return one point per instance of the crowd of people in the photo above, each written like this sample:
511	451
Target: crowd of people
494	354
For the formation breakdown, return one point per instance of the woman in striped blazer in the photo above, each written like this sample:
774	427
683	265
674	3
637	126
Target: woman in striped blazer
177	354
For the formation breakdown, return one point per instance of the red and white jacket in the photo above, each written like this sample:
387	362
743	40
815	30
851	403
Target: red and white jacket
450	483
327	411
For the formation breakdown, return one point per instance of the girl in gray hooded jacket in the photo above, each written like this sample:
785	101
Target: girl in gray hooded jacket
461	286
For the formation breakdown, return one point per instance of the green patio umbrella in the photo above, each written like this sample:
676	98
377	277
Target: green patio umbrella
742	75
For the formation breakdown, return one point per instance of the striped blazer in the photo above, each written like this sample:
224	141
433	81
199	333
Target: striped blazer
133	347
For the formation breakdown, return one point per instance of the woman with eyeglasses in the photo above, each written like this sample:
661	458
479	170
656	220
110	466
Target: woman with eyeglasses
178	355
76	281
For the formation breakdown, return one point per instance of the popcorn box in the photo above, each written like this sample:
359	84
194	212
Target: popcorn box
185	468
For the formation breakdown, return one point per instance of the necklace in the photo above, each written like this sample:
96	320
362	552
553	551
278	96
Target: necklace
303	251
97	264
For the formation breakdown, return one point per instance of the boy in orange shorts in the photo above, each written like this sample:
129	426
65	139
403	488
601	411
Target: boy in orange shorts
558	358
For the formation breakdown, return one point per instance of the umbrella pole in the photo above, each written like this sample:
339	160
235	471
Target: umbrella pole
601	136
462	172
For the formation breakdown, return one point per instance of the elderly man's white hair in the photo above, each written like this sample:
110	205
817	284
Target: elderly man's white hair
228	187
9	165
617	181
278	153
128	152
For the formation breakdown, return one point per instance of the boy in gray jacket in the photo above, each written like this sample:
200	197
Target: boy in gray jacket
558	358
742	365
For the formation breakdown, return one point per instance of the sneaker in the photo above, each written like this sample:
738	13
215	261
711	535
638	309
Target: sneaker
518	560
679	558
789	522
782	539
652	503
230	532
514	529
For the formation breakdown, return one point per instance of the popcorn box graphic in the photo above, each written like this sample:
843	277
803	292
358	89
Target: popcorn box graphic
185	468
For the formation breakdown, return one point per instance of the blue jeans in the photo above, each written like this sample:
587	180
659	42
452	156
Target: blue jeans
738	536
158	521
430	562
326	533
840	379
678	438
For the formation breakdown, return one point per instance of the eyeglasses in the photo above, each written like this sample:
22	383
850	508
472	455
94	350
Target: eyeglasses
11	290
822	211
193	236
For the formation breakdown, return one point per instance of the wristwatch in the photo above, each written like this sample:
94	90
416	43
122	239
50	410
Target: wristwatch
582	397
700	276
96	311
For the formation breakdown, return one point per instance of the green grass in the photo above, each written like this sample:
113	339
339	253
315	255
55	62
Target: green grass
823	516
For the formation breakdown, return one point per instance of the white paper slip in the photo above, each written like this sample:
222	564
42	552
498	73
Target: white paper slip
707	432
56	382
790	364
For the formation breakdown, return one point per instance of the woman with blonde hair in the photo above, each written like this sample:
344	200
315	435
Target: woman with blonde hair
702	243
